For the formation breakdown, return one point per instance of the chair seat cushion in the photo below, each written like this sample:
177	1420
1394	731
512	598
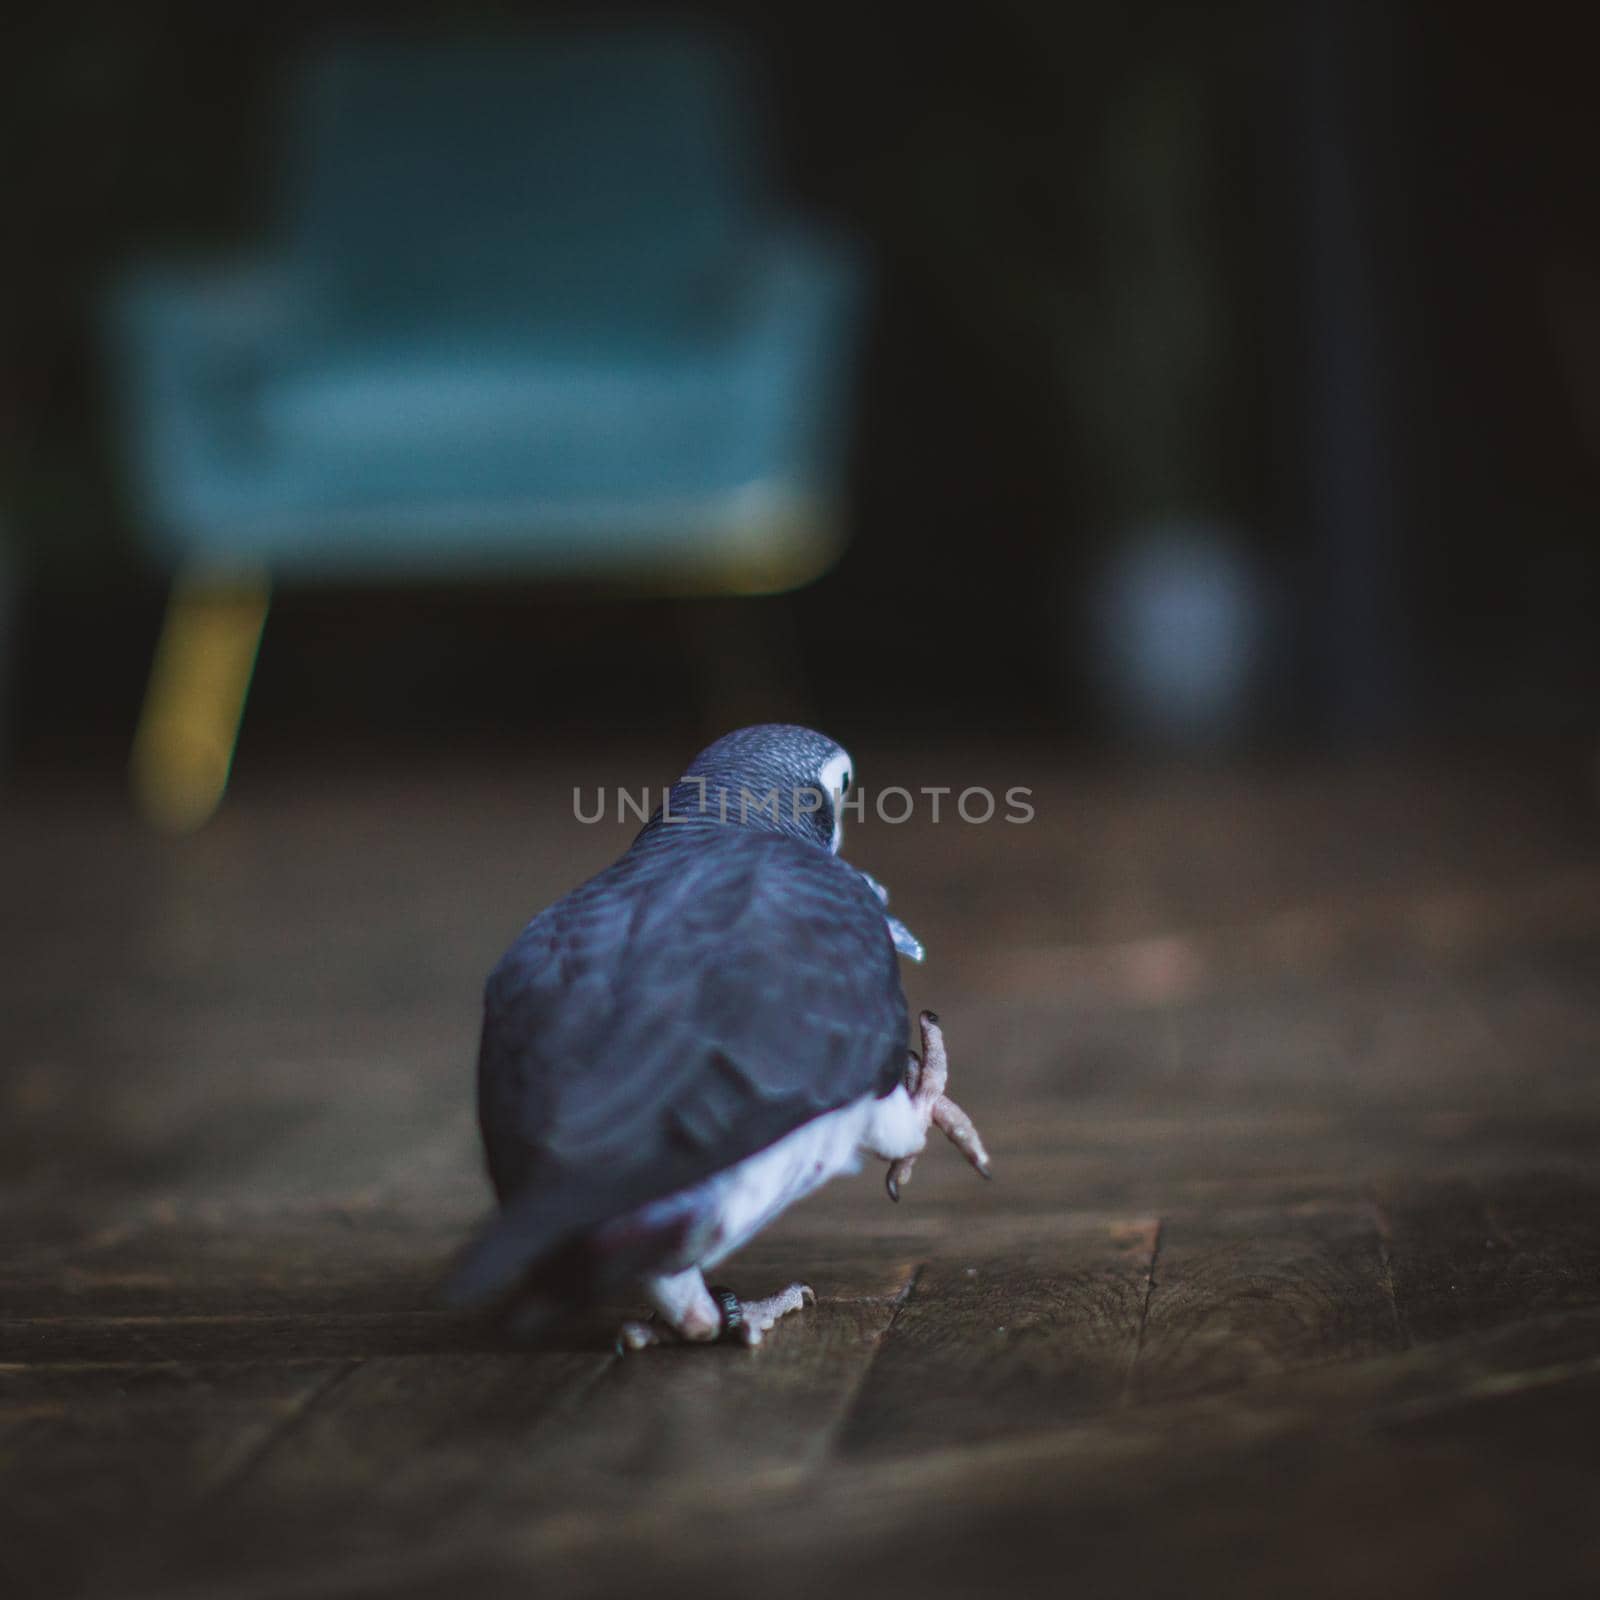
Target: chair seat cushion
443	419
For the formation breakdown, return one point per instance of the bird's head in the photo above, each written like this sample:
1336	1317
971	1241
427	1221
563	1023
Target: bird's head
775	776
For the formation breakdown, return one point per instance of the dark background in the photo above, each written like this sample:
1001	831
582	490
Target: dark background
1384	220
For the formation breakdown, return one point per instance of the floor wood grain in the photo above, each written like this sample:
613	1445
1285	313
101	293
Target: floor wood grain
1288	1280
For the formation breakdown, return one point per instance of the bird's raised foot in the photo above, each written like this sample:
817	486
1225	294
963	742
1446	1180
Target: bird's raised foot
926	1078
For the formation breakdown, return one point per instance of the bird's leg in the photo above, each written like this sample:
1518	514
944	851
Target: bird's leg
687	1309
684	1310
926	1078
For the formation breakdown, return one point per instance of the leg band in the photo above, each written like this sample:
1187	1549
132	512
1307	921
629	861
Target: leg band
732	1312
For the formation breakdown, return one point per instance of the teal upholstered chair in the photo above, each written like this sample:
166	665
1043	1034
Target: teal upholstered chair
530	307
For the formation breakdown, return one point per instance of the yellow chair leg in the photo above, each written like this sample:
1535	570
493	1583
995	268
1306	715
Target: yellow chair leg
183	748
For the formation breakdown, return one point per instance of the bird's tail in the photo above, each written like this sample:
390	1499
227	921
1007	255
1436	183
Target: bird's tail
530	1229
573	1247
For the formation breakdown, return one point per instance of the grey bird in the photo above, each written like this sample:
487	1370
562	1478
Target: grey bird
685	1045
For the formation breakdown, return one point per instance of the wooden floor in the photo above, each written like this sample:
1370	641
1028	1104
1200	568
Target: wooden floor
1288	1282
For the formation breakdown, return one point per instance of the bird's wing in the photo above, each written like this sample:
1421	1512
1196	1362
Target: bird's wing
680	1012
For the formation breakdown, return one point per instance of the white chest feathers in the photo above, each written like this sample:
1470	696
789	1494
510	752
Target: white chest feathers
733	1206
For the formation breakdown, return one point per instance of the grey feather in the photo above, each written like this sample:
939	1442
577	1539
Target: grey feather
715	989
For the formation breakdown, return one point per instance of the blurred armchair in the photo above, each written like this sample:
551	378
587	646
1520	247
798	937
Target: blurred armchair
530	309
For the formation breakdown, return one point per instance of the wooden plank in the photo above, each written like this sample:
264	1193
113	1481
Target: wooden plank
1469	1254
403	1447
414	1449
997	1340
1240	1295
323	1260
156	1340
1294	1482
694	1424
91	1458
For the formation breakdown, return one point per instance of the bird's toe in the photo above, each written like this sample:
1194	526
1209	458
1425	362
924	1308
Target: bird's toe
637	1336
759	1317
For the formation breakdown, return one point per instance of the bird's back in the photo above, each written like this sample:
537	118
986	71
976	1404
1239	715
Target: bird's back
707	994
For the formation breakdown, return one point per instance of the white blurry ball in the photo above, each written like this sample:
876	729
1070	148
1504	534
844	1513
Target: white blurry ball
1178	630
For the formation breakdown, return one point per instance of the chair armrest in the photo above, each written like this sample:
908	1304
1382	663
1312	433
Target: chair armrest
799	278
184	345
801	312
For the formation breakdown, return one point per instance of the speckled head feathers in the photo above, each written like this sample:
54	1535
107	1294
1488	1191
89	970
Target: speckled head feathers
775	776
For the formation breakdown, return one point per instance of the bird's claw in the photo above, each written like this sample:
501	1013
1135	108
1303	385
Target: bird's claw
759	1317
959	1129
638	1336
745	1322
926	1077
